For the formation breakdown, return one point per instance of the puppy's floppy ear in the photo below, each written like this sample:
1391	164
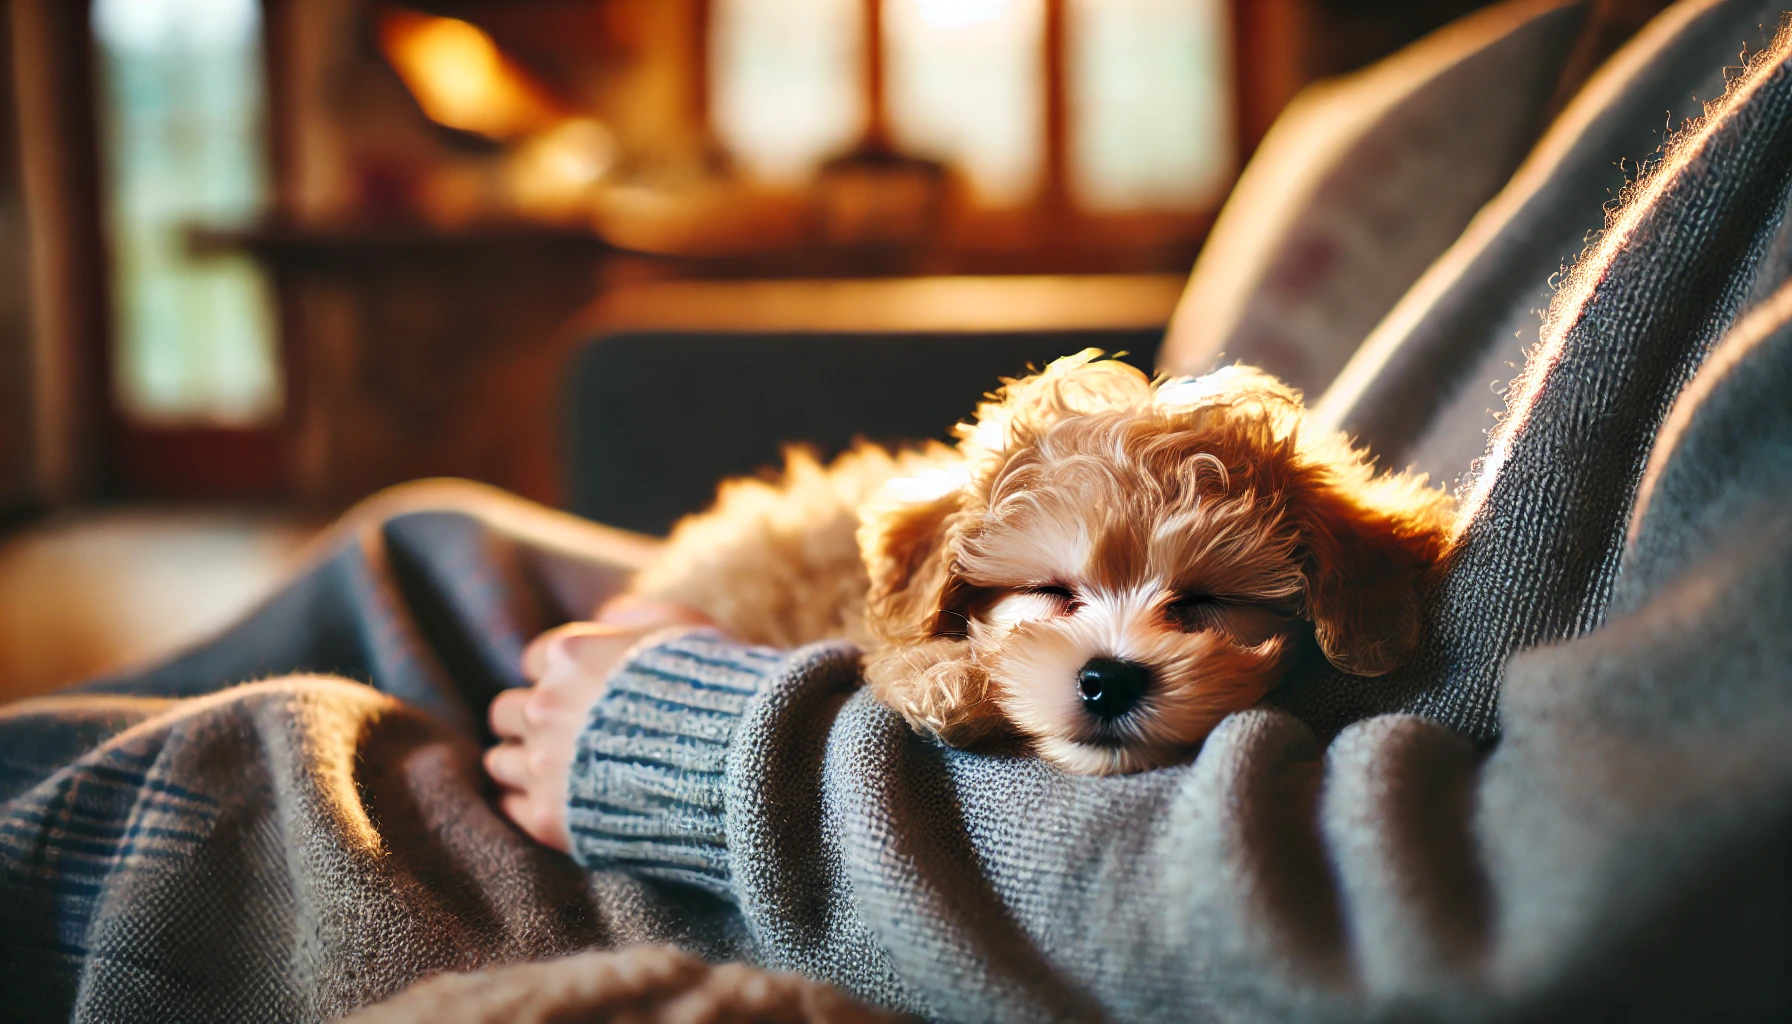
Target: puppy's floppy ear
903	539
1367	550
924	670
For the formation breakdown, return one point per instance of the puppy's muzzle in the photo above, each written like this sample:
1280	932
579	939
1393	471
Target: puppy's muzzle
1110	688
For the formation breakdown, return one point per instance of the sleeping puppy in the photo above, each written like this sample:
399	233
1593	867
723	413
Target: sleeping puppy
1102	566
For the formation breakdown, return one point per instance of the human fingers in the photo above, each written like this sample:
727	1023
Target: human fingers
535	656
506	713
541	821
508	765
539	657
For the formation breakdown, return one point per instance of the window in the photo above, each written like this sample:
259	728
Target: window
182	114
1149	124
785	74
966	85
1147	88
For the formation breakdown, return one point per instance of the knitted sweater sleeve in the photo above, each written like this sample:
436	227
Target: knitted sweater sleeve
648	785
739	770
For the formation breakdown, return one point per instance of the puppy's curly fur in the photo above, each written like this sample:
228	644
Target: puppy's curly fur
1188	529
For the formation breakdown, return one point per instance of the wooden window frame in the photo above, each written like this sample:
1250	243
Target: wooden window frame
88	448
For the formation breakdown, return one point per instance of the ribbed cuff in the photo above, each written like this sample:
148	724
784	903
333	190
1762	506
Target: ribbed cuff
649	775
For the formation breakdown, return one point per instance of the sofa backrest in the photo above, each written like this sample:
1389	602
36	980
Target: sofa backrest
1362	181
653	419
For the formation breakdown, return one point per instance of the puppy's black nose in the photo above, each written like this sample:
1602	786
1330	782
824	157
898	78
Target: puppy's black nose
1111	688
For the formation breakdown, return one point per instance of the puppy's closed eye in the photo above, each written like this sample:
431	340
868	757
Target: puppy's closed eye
1065	597
1245	621
1192	613
1012	607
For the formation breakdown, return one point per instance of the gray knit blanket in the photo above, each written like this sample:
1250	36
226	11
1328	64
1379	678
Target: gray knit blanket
1575	803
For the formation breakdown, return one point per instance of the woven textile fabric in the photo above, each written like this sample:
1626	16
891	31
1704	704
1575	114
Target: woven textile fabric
252	832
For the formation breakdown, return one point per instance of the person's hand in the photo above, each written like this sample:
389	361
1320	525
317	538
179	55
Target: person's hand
538	726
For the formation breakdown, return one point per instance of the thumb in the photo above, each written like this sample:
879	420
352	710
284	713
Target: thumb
549	648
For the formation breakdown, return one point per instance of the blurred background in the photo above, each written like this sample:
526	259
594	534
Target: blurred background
261	258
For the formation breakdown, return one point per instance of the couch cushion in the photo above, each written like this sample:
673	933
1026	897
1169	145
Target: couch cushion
1359	185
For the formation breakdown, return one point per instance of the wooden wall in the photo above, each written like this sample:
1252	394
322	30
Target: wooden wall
17	484
53	272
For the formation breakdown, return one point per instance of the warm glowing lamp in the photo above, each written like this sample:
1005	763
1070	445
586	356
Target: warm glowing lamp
461	79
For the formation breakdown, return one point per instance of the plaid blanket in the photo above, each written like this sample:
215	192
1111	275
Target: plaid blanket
296	847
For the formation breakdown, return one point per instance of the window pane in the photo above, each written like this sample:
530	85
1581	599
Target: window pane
965	84
183	114
1148	96
785	91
